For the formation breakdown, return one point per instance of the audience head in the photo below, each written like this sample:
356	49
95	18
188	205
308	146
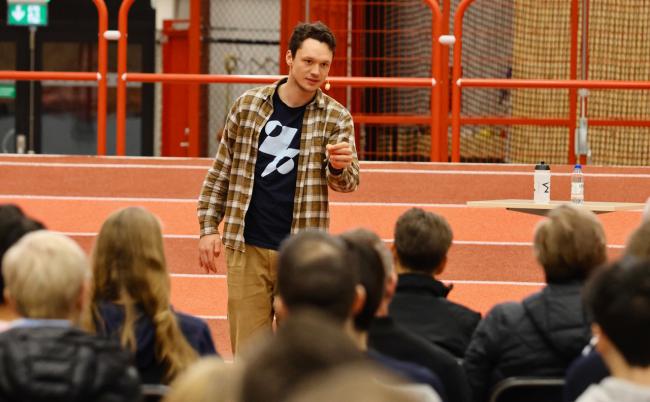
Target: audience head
618	298
308	343
313	273
570	244
363	256
13	225
353	383
638	245
208	380
129	267
422	240
46	275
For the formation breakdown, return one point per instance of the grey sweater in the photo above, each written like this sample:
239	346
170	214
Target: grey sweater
613	389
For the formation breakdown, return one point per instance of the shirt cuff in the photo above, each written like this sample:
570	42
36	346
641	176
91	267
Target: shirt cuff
333	170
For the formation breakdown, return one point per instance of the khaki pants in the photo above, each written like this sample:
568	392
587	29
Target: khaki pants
252	278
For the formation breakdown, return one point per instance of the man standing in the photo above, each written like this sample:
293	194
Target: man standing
281	148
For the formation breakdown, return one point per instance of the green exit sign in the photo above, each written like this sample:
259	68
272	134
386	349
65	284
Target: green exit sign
27	13
7	91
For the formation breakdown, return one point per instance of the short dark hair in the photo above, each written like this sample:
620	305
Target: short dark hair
618	297
306	344
422	240
364	257
316	30
13	226
312	272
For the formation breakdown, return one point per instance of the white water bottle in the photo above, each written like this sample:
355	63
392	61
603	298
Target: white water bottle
542	184
577	185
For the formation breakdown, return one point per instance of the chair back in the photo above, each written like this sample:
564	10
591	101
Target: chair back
153	392
528	389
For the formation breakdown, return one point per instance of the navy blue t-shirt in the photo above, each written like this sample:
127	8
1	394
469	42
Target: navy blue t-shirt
270	213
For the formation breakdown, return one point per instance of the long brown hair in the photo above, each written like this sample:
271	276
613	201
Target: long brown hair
129	268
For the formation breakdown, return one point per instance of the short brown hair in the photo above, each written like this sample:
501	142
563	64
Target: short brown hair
316	30
422	240
569	244
638	244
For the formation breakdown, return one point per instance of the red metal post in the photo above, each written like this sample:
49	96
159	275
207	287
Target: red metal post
194	91
585	44
102	69
455	85
436	53
443	87
122	44
291	13
573	74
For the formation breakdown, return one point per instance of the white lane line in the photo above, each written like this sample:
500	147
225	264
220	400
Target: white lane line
212	317
364	171
501	173
126	157
395	204
194	201
199	276
166	236
389	241
104	165
455	281
87	198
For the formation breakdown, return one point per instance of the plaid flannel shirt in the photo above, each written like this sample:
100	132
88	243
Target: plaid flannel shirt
228	185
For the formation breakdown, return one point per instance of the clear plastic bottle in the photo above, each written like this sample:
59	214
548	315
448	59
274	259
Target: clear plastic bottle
577	185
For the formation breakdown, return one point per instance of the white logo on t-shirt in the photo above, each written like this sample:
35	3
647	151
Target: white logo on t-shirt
279	147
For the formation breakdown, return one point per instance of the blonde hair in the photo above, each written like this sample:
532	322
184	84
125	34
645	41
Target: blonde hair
129	268
208	380
570	244
44	274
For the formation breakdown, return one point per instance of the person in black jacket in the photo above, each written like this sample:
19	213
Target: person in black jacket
546	331
44	356
422	240
393	340
338	277
590	368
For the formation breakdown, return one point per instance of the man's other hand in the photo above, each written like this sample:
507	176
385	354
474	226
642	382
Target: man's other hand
209	250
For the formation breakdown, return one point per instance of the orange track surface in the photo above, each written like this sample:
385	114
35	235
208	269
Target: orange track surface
491	260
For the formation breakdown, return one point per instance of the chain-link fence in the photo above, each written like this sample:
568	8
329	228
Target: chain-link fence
243	38
525	39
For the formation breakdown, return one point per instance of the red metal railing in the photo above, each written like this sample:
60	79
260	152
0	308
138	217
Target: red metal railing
99	76
572	85
438	83
266	79
437	118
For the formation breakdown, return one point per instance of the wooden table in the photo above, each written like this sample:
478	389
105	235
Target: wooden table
529	206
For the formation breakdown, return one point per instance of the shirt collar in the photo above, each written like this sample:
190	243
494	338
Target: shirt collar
422	282
31	322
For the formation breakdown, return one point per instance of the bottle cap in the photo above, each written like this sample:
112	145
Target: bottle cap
542	166
578	166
